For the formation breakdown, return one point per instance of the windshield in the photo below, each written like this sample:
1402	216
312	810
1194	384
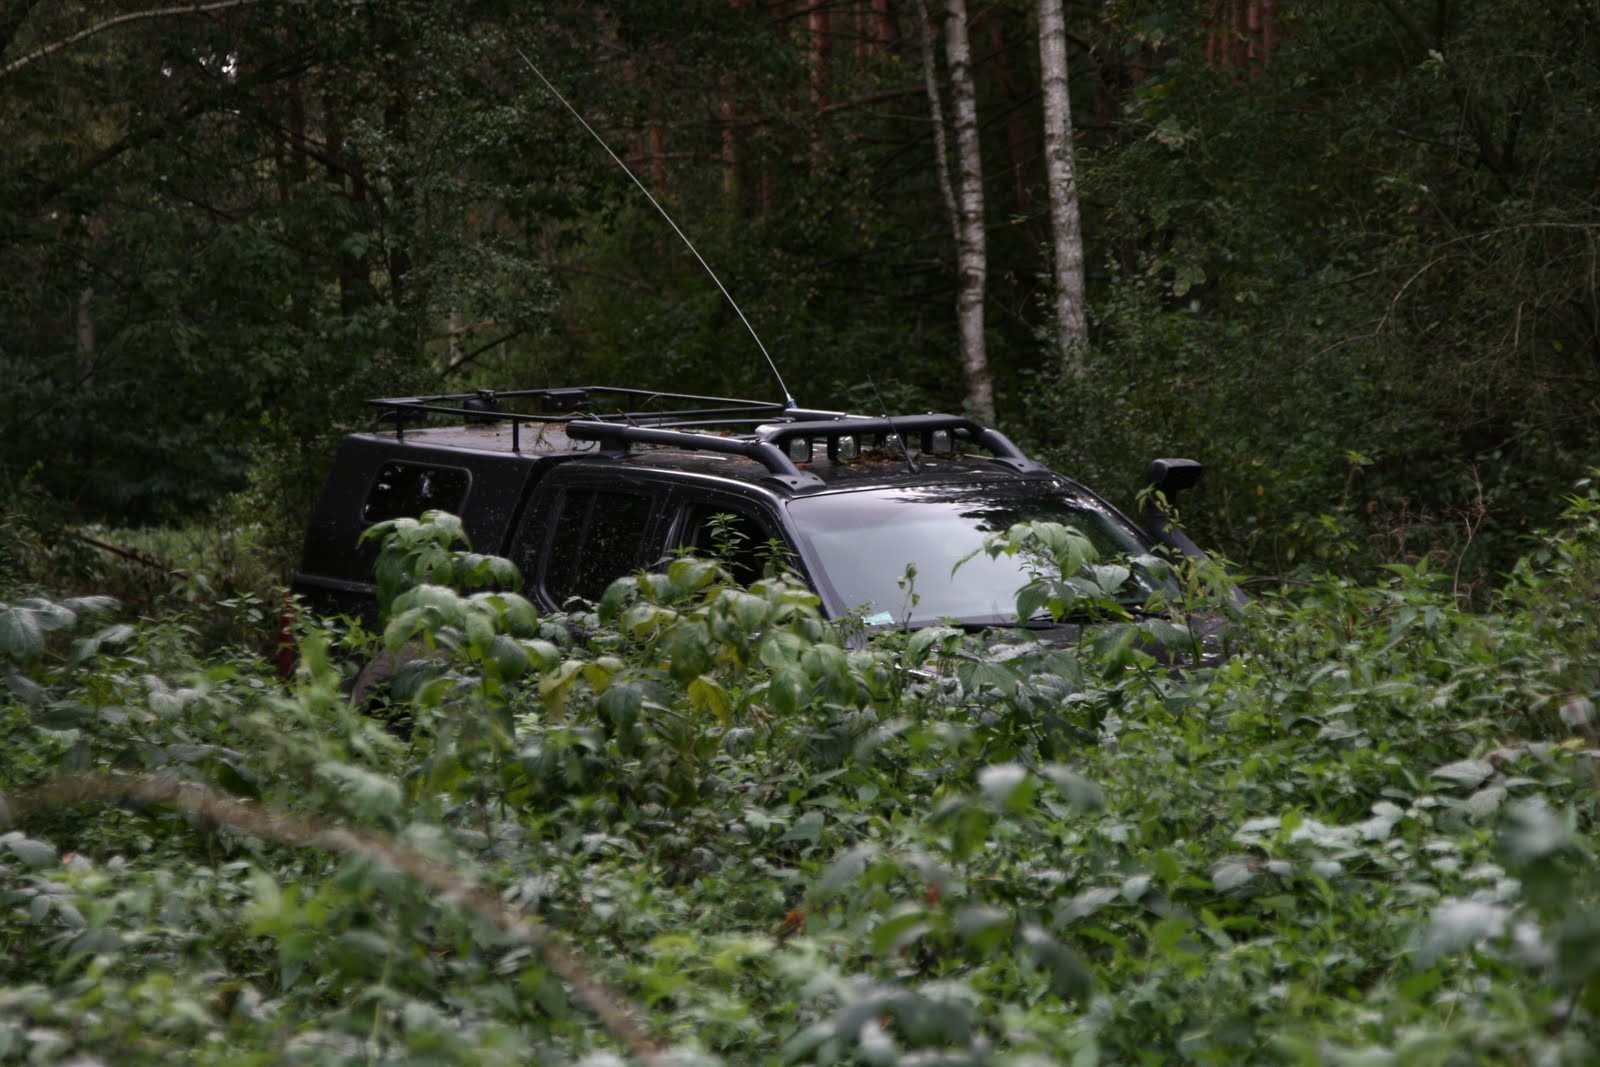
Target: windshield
864	541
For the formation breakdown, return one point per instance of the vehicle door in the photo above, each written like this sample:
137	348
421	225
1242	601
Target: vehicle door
584	529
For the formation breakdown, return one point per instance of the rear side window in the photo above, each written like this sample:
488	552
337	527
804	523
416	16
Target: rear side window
599	536
406	490
732	536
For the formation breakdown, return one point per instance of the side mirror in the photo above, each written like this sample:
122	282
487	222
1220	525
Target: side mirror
1165	479
1172	476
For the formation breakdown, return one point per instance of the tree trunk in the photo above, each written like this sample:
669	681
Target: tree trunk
884	32
1017	133
819	29
941	150
971	253
1241	34
1066	229
732	154
83	323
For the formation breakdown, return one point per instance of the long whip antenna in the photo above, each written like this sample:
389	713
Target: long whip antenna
787	398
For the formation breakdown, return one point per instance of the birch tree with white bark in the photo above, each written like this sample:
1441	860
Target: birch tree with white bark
1061	171
971	244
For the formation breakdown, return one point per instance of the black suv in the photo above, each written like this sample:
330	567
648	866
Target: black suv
875	513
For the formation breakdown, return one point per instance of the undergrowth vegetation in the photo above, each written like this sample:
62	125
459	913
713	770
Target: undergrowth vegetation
694	824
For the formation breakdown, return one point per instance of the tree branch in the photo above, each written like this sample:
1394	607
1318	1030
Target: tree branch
463	360
1493	158
449	884
100	27
1409	23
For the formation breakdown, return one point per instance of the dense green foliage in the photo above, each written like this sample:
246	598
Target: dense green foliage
1368	836
1359	282
1356	276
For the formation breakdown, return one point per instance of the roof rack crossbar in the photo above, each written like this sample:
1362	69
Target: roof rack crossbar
579	396
574	403
990	440
780	467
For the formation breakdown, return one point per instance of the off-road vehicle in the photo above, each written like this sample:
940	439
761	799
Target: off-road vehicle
885	517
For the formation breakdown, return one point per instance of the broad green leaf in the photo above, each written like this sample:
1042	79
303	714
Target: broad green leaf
1006	785
372	793
1070	977
91	605
688	650
693	574
983	927
480	630
750	611
50	615
1469	773
31	693
517	613
902	929
780	647
21	636
617	595
444	528
1230	874
1087	903
621	703
504	573
788	690
1185	277
807	827
37	854
1032	600
706	694
828	663
1532	832
1485	801
926	640
545	655
1107	577
1169	934
1456	924
846	869
1080	791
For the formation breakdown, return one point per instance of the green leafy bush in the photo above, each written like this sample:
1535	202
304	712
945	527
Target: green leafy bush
692	824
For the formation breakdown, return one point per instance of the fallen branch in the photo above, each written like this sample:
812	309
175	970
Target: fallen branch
131	554
368	844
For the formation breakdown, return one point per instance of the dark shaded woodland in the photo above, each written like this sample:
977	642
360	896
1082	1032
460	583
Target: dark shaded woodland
1343	253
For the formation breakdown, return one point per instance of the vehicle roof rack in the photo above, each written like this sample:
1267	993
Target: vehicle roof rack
831	426
600	403
776	436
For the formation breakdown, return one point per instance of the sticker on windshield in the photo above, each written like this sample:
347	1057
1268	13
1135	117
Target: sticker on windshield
882	618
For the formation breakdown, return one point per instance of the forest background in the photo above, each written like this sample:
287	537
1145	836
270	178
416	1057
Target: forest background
1344	253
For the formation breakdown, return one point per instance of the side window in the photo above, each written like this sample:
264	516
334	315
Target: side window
599	537
733	536
406	490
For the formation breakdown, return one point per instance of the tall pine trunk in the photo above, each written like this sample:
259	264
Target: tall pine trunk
1066	228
